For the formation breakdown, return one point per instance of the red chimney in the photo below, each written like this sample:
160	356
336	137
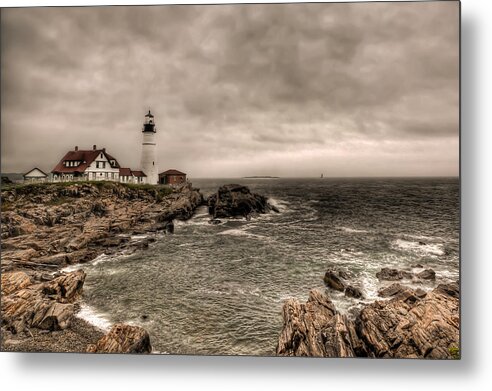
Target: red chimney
94	147
76	148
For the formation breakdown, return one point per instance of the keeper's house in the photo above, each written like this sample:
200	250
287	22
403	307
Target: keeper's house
172	177
35	175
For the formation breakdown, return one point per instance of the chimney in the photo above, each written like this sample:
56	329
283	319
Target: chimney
76	148
104	149
94	147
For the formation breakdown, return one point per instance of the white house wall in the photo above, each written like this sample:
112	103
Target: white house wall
102	174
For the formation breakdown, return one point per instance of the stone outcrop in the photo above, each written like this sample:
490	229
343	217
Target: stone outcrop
393	274
333	281
123	338
237	200
406	326
44	305
49	226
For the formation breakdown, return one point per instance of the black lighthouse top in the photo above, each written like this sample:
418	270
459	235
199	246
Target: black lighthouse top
149	125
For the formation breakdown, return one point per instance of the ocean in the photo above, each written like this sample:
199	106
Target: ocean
219	289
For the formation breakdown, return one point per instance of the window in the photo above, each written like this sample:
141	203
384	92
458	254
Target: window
106	175
101	155
93	175
97	164
103	164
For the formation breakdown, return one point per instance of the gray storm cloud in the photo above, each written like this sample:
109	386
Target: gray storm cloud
289	89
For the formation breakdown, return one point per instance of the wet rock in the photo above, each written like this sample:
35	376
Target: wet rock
388	274
451	289
343	274
427	274
333	281
316	329
354	292
402	327
421	243
215	221
123	338
236	200
170	227
391	290
418	266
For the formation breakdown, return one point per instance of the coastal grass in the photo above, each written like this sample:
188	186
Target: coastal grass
158	191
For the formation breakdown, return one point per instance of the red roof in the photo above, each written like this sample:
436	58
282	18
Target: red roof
172	172
85	157
138	173
125	172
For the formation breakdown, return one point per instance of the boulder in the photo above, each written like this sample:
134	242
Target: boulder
351	291
427	274
236	200
393	274
123	338
333	281
392	290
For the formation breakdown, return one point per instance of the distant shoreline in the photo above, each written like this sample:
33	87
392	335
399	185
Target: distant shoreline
261	177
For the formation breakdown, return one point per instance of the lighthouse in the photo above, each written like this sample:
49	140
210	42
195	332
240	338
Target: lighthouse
148	162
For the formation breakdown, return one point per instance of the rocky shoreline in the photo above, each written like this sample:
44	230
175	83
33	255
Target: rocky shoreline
405	323
46	227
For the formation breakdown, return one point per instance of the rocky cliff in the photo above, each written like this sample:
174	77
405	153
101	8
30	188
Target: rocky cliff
46	227
410	324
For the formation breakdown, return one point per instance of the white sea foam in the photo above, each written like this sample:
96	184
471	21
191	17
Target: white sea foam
353	230
281	205
93	317
240	232
432	249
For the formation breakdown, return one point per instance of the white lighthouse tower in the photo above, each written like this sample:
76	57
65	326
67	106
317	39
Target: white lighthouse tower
148	161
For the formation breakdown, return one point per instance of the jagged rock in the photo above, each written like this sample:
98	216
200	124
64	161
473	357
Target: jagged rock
392	274
392	290
14	281
45	305
316	329
402	327
427	274
236	200
332	281
452	289
169	227
123	339
343	274
351	291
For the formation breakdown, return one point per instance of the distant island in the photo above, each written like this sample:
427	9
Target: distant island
261	176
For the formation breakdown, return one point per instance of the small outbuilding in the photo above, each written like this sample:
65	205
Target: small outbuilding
172	177
35	175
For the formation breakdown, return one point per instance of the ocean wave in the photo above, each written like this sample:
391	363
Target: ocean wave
281	205
242	232
432	249
352	230
97	319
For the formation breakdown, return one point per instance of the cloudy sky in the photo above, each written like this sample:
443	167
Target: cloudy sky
289	90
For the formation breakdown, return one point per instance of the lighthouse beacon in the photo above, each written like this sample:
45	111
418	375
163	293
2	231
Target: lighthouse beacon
148	161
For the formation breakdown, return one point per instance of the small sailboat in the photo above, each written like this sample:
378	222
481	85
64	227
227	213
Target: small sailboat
321	176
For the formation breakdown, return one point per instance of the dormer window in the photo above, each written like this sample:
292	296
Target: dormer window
102	156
